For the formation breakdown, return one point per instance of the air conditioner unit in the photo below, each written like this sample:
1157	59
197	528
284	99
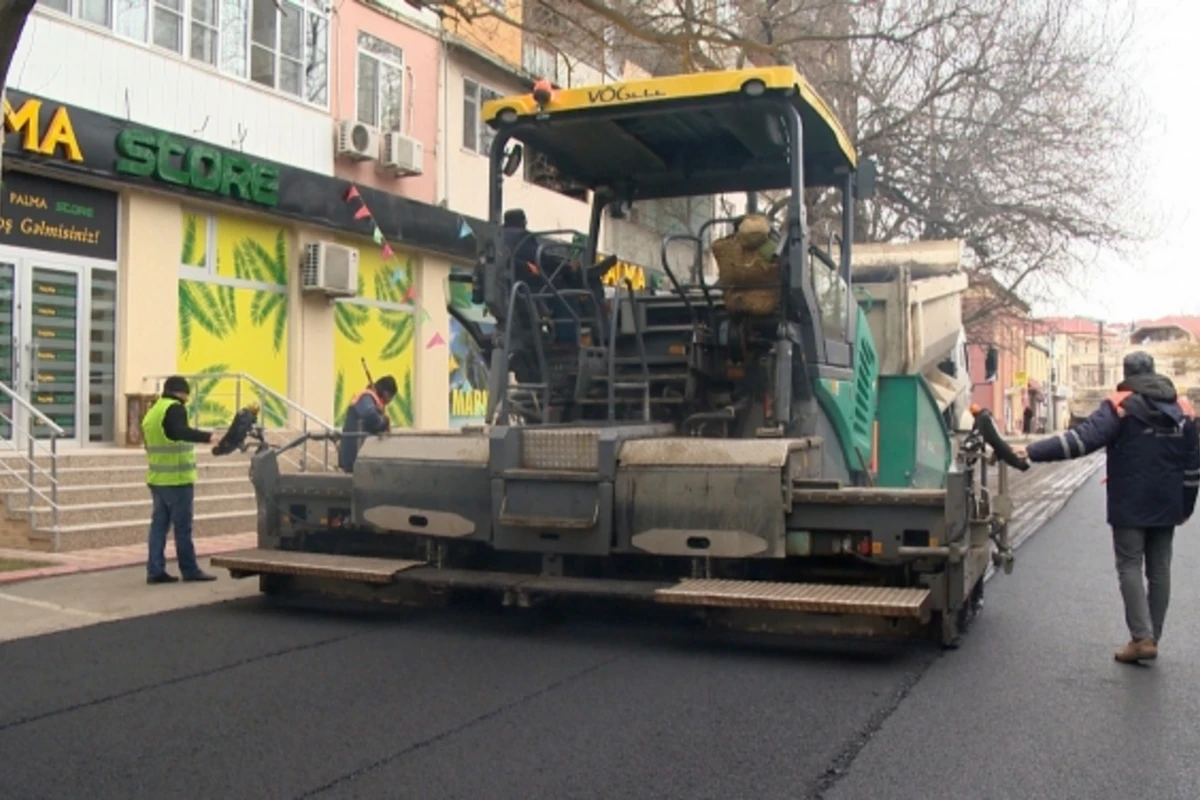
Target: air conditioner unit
402	155
331	268
357	141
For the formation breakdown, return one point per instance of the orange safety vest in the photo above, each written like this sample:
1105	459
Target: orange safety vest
1116	398
367	391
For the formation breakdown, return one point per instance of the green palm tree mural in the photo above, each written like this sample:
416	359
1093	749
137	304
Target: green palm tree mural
340	401
193	251
213	307
201	406
349	317
202	305
396	289
253	262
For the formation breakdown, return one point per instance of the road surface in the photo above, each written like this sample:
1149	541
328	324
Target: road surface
239	700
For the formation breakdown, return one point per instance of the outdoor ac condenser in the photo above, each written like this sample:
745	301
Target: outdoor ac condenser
331	268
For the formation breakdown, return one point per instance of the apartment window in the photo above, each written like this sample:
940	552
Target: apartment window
284	47
168	25
477	136
204	31
380	83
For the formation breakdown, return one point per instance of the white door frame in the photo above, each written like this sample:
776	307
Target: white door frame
24	262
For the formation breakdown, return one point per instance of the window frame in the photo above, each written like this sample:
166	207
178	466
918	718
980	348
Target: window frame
381	62
480	126
224	65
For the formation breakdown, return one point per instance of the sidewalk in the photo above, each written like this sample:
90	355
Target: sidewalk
105	558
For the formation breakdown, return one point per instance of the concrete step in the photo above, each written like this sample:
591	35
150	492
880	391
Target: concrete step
18	499
122	511
92	535
116	474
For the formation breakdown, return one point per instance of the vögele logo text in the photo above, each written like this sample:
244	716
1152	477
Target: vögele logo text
622	94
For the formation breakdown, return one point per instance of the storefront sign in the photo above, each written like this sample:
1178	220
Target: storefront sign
80	142
165	158
624	271
42	129
44	214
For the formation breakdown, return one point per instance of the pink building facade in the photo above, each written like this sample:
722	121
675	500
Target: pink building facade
386	77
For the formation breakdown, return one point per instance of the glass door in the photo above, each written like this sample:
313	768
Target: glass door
48	319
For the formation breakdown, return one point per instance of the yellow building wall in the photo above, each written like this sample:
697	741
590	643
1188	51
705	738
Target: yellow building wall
231	302
233	314
490	33
147	295
1037	365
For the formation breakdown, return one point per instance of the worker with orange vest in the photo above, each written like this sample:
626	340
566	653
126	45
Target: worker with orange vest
1149	432
366	416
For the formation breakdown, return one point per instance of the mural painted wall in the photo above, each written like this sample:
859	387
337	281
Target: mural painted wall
233	315
379	325
468	370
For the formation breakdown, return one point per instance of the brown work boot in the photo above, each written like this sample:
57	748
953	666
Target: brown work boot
1137	650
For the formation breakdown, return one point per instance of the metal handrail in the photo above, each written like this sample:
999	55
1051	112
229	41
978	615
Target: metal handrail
306	416
30	457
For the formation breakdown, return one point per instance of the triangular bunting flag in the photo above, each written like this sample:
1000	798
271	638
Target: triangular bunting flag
377	235
465	230
411	293
362	213
425	315
435	341
387	250
352	193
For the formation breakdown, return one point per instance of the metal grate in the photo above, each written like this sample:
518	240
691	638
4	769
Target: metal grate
809	597
575	450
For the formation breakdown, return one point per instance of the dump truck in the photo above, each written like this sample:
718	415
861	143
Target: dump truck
911	294
731	448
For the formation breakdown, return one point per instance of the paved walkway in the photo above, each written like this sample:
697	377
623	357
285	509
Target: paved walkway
104	558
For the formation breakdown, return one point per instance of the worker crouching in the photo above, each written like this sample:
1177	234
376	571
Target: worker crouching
366	416
1150	435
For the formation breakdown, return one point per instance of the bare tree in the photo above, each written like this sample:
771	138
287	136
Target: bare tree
1004	123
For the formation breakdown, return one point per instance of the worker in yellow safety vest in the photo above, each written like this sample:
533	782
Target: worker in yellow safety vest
367	415
171	475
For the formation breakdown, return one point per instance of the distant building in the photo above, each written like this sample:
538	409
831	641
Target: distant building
1175	344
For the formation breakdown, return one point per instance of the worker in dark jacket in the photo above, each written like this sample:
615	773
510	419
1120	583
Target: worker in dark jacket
1150	436
367	415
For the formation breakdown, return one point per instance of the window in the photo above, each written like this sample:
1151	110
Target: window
284	47
830	291
477	136
168	25
380	83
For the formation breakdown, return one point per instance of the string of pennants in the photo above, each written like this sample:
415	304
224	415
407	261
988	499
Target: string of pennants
364	213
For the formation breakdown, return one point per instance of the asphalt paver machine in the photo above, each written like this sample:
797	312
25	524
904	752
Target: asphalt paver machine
723	444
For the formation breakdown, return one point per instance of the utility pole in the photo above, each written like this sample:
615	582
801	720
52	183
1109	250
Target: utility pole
1103	375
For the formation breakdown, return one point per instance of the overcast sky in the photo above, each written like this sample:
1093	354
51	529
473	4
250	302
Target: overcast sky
1164	62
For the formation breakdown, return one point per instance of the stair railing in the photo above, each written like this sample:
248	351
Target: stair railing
245	388
29	465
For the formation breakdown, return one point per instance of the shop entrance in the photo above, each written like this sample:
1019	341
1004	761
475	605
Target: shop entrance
57	345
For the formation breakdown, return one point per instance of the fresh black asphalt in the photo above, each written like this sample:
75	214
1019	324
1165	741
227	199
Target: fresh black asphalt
243	700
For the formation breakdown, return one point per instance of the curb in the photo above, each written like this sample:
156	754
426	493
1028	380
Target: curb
118	559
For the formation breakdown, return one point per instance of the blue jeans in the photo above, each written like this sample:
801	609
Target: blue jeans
172	508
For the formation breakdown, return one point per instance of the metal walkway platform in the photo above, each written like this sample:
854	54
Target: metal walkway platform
812	598
808	598
318	565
